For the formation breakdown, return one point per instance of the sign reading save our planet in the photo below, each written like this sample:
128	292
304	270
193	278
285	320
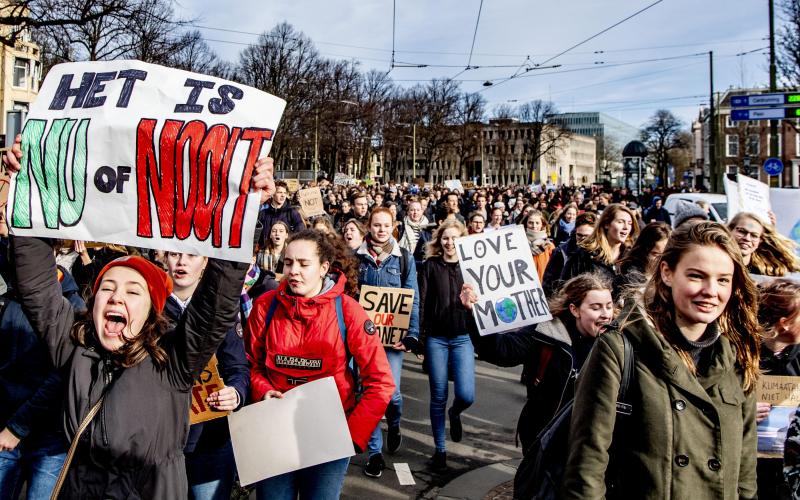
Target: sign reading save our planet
500	267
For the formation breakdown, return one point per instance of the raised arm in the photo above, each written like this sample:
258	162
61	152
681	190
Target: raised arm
50	314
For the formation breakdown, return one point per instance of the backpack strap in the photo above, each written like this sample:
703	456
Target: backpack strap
545	353
270	312
342	325
623	403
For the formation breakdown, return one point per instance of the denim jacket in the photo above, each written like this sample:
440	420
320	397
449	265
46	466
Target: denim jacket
388	274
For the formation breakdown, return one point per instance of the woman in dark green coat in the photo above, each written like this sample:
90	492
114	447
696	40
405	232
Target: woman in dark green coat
692	433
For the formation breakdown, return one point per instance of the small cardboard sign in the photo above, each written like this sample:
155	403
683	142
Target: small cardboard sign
208	383
389	309
783	393
454	185
293	185
468	185
310	202
779	390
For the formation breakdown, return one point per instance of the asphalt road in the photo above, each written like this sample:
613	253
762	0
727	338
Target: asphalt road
489	427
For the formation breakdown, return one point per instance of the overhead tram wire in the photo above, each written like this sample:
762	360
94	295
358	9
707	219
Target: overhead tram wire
585	40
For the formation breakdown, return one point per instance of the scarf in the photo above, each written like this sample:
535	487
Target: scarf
411	233
379	252
250	279
567	227
537	241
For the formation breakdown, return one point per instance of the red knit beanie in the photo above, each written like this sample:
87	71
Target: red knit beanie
158	283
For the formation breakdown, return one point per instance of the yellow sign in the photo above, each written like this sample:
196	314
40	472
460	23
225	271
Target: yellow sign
389	309
208	383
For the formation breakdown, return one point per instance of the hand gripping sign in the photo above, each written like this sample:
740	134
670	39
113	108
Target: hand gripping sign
138	154
500	267
207	384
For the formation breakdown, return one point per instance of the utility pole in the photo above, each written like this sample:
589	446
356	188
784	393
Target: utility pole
316	144
773	83
715	180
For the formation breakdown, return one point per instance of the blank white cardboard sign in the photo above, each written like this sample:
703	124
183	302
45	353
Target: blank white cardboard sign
305	428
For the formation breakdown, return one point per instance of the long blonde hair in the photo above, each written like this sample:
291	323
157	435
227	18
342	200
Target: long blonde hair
597	243
738	322
434	247
775	254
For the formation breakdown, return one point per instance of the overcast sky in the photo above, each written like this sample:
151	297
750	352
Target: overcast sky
439	32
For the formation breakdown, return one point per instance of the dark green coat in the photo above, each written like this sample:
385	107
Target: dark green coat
688	437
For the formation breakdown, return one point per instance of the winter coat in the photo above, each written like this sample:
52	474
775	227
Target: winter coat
551	280
567	353
133	448
269	215
688	437
584	262
234	371
658	215
30	389
303	343
389	274
439	303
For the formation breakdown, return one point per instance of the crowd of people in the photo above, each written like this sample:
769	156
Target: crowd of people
100	344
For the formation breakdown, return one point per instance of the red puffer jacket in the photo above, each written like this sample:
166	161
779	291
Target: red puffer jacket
303	343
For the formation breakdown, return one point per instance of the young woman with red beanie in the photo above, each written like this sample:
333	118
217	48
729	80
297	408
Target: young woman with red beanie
128	373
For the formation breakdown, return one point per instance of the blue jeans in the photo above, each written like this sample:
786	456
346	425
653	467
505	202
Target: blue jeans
211	473
318	482
458	356
37	461
395	408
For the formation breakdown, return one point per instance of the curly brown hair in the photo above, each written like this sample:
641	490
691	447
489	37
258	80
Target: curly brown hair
134	350
738	322
333	249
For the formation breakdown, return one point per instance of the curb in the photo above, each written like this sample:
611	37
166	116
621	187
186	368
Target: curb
476	484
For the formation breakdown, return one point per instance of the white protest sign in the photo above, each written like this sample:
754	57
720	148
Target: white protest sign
787	212
753	197
138	154
500	267
454	184
732	192
275	436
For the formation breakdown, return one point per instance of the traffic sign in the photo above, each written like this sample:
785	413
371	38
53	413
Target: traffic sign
743	101
738	115
773	166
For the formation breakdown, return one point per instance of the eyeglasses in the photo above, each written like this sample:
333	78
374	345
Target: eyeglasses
745	233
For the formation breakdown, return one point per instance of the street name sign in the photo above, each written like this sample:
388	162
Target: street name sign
738	115
743	101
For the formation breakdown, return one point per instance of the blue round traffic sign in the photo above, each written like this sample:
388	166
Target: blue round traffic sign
773	166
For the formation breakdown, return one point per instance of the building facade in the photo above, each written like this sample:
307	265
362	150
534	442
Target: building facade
743	147
20	72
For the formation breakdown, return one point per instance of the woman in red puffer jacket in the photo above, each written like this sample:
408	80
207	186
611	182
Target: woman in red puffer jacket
294	337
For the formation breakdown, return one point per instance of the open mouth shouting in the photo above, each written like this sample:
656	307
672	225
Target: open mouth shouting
115	323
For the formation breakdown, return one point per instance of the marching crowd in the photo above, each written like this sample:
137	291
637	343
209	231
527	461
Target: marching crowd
101	344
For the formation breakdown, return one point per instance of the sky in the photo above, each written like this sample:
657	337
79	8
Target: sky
614	73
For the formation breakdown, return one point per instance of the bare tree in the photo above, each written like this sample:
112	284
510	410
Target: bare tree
195	55
661	135
438	101
469	117
547	134
789	42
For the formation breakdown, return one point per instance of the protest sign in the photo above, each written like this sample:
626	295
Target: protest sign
787	212
275	436
138	154
310	202
747	195
500	267
454	184
468	185
208	383
389	309
783	393
5	179
292	185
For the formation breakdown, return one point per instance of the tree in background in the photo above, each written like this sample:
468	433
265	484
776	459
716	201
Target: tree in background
789	42
22	15
662	135
547	135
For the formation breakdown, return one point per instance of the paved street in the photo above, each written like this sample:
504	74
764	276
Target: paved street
488	435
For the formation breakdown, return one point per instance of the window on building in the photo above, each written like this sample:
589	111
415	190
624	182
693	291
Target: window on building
512	149
728	122
21	72
797	144
731	169
731	145
753	145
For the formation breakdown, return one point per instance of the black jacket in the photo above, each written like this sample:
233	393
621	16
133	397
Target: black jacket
568	351
269	215
551	280
584	262
235	372
134	446
441	312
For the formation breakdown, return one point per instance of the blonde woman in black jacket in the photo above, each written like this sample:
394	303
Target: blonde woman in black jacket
447	341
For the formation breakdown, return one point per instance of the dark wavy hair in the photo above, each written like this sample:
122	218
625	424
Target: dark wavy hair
738	322
333	249
639	254
134	350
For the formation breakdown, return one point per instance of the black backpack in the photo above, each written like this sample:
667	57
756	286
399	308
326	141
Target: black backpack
542	468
